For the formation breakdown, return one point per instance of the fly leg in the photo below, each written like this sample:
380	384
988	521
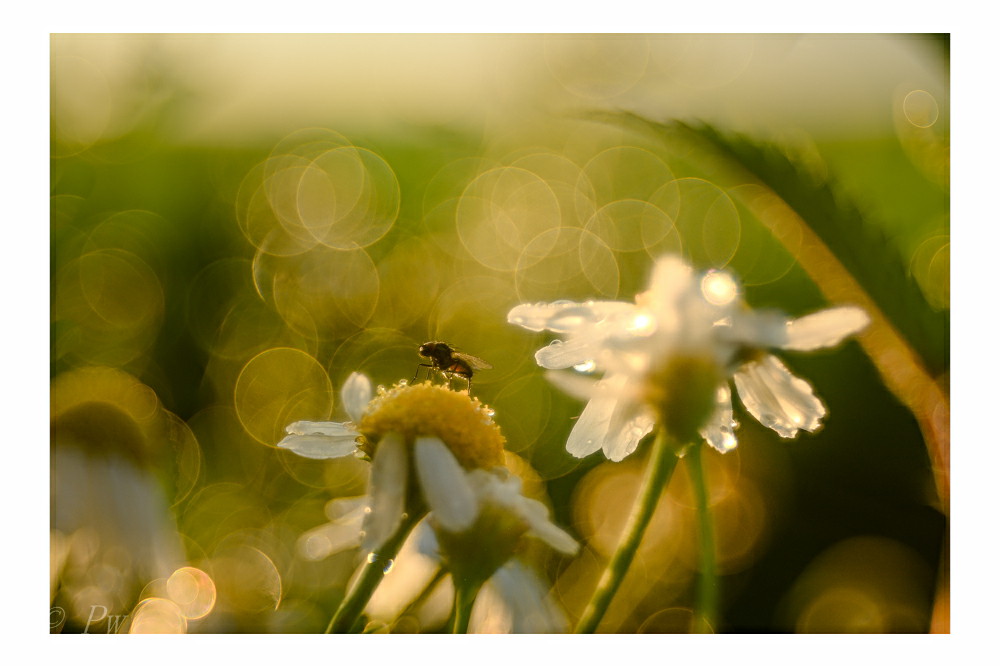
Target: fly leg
421	365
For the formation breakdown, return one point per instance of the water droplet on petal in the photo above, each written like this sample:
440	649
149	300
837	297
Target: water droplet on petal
586	366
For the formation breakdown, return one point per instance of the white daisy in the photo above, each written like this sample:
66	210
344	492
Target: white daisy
514	598
435	432
668	357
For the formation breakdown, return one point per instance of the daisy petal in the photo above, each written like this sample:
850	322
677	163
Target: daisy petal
825	328
718	432
580	387
757	329
356	394
387	490
516	601
320	447
328	428
778	399
671	278
537	516
563	316
346	508
445	486
591	428
559	355
624	435
329	538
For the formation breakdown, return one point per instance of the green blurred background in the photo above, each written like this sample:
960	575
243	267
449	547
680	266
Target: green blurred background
238	222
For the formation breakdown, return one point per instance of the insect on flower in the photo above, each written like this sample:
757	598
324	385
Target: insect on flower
449	362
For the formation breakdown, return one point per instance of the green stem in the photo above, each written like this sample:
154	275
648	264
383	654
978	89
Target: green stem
660	467
371	575
707	591
465	596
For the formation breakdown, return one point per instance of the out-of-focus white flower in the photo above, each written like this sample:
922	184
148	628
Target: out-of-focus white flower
514	598
668	358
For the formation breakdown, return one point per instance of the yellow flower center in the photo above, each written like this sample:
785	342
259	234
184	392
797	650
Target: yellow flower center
463	423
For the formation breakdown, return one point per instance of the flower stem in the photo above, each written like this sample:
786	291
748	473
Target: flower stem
707	591
465	597
660	467
372	573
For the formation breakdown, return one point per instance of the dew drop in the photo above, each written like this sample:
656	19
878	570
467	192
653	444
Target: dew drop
490	412
388	566
586	366
372	558
403	382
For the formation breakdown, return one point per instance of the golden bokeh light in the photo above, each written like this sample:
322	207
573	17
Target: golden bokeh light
157	616
706	218
568	263
280	386
861	585
920	108
193	591
503	210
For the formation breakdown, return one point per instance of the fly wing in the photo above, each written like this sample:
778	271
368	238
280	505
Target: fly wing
474	362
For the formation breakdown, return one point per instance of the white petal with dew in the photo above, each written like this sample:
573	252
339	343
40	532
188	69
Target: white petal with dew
825	328
328	428
390	469
718	432
778	399
591	428
320	447
535	316
356	394
445	486
559	355
563	316
625	433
